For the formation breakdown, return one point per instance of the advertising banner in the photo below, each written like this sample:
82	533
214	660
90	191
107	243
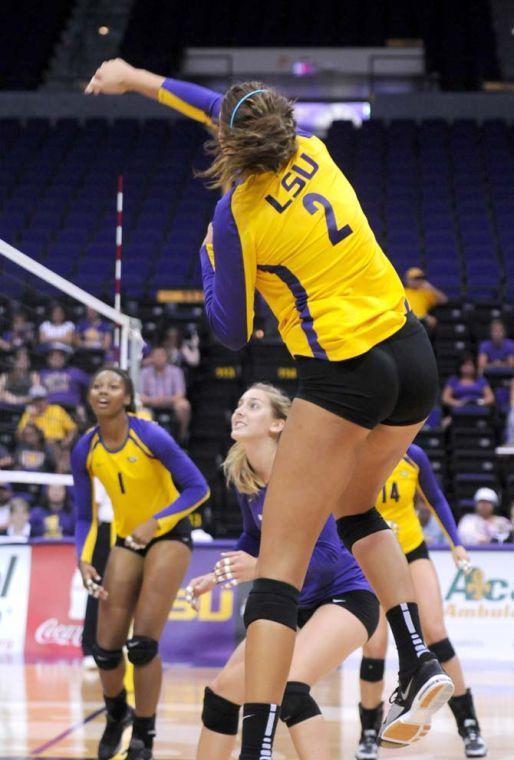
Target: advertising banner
57	603
14	597
479	607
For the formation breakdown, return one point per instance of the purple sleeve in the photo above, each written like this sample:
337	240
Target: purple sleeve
83	493
199	103
250	539
433	496
229	280
186	475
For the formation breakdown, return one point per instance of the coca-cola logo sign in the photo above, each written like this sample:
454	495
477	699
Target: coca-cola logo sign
51	631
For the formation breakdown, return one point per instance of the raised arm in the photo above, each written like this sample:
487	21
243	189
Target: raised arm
228	272
116	77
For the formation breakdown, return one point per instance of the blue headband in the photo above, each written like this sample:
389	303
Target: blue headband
245	97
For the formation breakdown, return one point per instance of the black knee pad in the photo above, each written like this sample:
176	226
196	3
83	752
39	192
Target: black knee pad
372	669
443	650
298	704
272	600
219	714
355	527
141	650
106	659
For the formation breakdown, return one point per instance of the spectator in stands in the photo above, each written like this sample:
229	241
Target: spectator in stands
163	387
423	296
54	422
93	333
65	385
20	333
5	498
18	527
431	529
468	389
498	352
483	526
15	385
6	459
509	430
182	351
32	453
510	539
57	329
54	518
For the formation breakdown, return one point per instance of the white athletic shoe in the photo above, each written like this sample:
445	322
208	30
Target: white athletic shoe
413	704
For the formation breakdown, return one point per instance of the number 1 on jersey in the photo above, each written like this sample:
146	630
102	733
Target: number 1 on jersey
335	233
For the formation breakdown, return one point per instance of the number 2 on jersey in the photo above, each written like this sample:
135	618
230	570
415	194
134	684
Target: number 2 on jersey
335	233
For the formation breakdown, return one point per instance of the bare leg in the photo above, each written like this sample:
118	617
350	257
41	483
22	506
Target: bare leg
428	594
182	409
376	648
122	580
229	683
323	643
164	568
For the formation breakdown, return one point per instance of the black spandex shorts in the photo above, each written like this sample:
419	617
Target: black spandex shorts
420	552
363	604
394	383
181	532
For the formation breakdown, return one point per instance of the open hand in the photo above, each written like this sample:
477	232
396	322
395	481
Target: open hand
198	586
235	567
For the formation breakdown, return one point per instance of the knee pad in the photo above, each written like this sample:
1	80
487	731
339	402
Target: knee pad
107	659
141	650
298	704
219	714
443	650
272	600
372	669
355	527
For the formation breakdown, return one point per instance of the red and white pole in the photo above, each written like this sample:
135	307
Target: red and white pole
119	250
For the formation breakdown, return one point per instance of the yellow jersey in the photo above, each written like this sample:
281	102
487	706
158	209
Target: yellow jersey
149	476
414	475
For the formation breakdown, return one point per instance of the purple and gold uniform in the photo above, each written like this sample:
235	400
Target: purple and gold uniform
414	475
332	570
149	476
301	239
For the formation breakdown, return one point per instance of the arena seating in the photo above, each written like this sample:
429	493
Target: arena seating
437	195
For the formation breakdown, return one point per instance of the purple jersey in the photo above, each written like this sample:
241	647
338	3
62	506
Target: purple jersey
332	570
497	352
469	392
65	386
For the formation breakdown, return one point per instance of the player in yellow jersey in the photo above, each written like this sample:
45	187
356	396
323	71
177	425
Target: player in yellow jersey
153	486
413	476
292	228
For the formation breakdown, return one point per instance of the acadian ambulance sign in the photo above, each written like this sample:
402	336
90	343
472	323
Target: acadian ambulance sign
479	607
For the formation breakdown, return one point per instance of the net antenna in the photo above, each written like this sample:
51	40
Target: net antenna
131	340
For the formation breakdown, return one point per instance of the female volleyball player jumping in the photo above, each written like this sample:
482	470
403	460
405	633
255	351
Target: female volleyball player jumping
413	476
292	228
337	609
153	486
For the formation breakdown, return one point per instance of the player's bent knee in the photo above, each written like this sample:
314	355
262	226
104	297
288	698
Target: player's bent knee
141	650
298	704
354	527
443	650
272	600
219	714
107	659
372	669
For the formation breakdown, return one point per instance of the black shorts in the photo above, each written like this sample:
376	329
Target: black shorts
394	383
363	604
420	552
181	532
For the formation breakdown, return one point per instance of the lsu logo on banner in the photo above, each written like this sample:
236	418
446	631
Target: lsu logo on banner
212	608
14	597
